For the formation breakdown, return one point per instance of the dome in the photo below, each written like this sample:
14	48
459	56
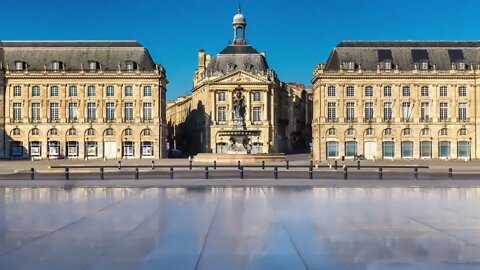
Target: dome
234	58
239	18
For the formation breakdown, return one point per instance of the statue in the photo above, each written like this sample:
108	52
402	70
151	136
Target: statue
239	105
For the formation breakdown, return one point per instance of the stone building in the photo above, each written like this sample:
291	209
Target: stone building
82	99
204	121
398	100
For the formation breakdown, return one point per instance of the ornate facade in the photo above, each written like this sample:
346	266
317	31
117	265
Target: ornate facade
398	100
81	100
204	121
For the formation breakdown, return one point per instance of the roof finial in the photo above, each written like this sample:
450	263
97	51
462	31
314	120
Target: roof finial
239	8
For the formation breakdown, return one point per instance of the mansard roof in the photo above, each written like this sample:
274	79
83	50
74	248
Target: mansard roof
404	54
72	54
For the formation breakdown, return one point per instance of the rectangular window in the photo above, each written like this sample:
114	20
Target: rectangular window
406	91
388	149
332	150
54	112
147	112
256	96
72	112
222	114
424	111
17	111
350	111
463	149
369	111
444	149
128	91
462	111
110	91
72	91
35	91
387	111
35	111
443	111
424	91
462	91
17	91
147	91
331	91
407	149
425	149
369	91
331	111
350	91
406	110
54	91
221	96
443	91
387	91
92	66
128	111
91	111
91	91
110	111
350	149
257	114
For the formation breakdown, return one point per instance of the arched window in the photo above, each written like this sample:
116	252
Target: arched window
16	132
34	132
53	131
369	132
350	132
147	132
90	132
425	132
387	132
407	132
444	132
128	132
72	132
331	132
109	132
462	132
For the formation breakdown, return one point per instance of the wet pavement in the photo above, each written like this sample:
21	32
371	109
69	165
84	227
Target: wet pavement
240	228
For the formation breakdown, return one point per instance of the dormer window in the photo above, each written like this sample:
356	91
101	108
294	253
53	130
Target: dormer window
350	65
56	66
92	66
424	65
387	65
231	67
130	66
461	66
19	65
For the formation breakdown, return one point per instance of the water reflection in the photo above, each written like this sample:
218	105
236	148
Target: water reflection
244	228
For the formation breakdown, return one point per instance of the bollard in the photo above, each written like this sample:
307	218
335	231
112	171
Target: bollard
171	173
206	172
450	174
287	165
311	162
263	164
239	164
32	174
336	165
67	174
136	174
275	172
358	165
380	173
415	173
345	173
190	166
119	165
241	172
214	164
102	175
310	172
153	165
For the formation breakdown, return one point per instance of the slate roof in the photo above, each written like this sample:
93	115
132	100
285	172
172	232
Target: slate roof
238	57
404	54
72	54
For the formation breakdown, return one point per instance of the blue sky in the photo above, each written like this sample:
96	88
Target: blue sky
296	35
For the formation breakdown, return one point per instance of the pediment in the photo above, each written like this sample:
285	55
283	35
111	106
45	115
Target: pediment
240	77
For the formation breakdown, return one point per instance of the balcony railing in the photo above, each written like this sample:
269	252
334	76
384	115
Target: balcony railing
147	120
387	120
92	120
72	120
331	120
128	120
369	120
406	120
425	119
53	120
350	120
34	120
444	120
463	119
109	120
